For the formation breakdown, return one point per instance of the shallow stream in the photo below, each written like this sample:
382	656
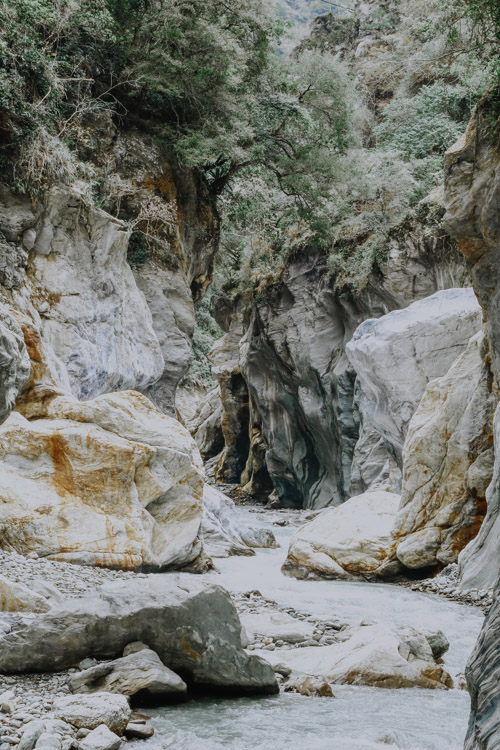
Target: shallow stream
358	717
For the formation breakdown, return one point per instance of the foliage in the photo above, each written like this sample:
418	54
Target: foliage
206	333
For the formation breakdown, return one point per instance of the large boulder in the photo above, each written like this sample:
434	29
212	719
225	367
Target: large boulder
15	366
140	675
383	656
351	541
109	482
448	463
192	626
396	356
224	533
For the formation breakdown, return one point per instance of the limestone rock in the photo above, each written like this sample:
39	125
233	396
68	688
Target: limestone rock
96	321
397	355
15	597
448	462
351	541
15	364
223	531
278	626
190	624
377	655
109	482
140	675
101	738
90	711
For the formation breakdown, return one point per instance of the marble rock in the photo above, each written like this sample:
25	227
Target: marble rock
396	356
15	597
351	541
109	482
448	464
383	656
224	532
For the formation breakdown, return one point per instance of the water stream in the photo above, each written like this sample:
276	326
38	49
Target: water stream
358	717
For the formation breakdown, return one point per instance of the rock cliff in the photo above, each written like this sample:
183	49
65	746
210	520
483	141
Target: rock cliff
472	196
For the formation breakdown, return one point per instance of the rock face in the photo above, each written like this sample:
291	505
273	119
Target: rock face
448	462
382	656
108	482
192	626
472	192
397	355
352	541
15	364
223	532
140	675
93	315
287	387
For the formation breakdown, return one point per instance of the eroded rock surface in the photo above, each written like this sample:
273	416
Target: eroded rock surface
448	463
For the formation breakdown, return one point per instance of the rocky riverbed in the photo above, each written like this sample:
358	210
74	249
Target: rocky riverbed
281	617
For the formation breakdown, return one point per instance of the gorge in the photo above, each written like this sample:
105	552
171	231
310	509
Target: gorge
249	372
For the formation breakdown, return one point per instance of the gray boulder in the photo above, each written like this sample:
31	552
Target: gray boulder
192	625
140	675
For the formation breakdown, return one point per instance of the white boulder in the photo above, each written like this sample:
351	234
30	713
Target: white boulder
350	541
396	356
90	711
276	625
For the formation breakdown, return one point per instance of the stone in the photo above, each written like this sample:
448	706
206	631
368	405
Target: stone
396	356
7	702
15	597
90	711
192	626
140	675
48	741
276	625
382	655
224	533
15	366
135	731
109	482
448	463
351	541
98	324
205	425
101	738
309	686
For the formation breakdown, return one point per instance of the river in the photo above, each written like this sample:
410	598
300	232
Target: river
358	717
